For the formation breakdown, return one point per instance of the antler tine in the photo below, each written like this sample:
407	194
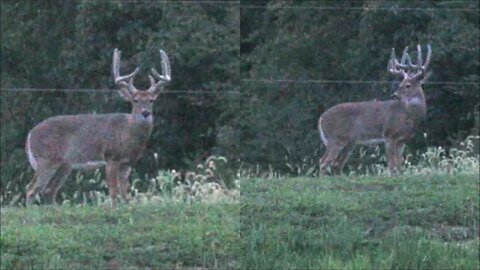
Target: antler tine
166	65
391	61
165	77
422	68
406	62
419	56
427	60
166	72
409	61
122	80
152	80
393	64
127	77
405	56
418	66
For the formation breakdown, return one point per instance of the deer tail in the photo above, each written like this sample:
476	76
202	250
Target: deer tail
322	134
31	158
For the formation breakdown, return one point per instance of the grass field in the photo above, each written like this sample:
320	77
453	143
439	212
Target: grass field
408	222
425	219
167	235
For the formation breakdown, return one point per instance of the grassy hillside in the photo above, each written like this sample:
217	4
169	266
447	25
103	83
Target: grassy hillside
161	235
410	222
418	222
426	219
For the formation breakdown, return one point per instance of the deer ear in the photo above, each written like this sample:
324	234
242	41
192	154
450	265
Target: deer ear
154	95
156	92
125	94
425	78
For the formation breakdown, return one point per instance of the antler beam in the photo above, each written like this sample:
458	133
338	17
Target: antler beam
122	81
164	78
405	67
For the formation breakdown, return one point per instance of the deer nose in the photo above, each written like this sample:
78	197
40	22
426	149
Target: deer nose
145	113
395	96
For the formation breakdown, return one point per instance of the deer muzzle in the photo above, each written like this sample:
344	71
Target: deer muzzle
395	96
146	113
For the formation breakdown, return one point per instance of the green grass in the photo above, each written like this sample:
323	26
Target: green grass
348	222
409	222
166	235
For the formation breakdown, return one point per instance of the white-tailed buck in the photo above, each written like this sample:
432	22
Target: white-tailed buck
391	122
89	141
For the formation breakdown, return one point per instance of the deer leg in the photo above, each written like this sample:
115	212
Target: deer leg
57	182
399	157
123	183
391	151
45	172
320	163
342	158
31	184
333	150
112	171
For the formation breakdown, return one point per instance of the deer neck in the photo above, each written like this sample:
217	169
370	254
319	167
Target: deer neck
416	106
143	126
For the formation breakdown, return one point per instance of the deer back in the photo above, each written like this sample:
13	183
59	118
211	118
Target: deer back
365	122
86	139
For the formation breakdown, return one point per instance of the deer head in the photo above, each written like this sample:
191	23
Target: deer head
141	100
410	89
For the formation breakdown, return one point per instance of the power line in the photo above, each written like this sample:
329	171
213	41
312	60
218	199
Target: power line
361	8
237	2
182	1
86	90
229	92
348	82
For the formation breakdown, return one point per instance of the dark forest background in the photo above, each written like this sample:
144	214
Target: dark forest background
329	52
250	78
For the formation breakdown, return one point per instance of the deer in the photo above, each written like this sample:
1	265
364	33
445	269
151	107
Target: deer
60	144
392	122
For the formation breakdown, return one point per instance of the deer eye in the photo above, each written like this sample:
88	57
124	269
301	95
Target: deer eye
407	86
150	100
136	100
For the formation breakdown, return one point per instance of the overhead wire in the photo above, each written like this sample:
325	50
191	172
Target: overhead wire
349	81
230	2
231	92
92	90
360	8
